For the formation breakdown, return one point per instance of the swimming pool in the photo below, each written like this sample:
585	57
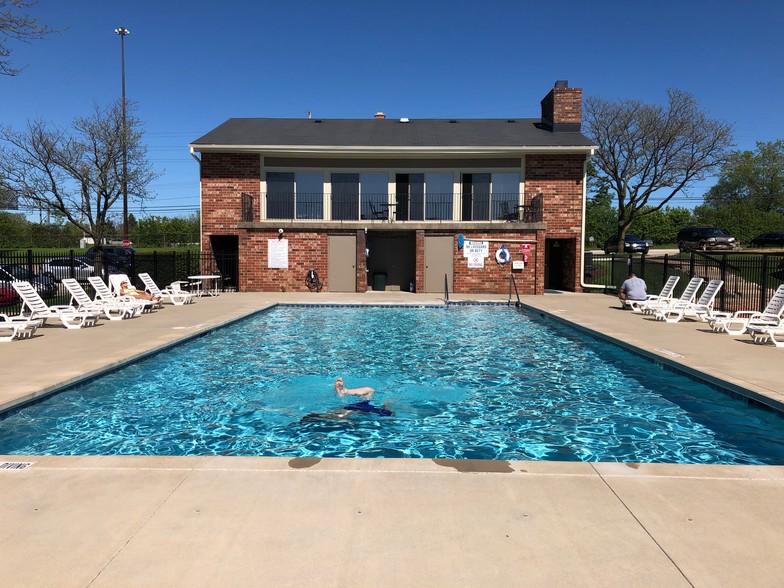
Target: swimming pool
480	382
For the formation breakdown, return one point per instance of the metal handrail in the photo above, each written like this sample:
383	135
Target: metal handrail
446	289
513	282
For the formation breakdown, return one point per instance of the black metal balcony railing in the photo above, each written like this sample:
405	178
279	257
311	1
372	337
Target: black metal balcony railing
403	207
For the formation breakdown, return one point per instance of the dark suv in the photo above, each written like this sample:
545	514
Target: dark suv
704	239
119	257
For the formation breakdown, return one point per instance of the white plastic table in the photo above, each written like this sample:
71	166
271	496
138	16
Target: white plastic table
204	282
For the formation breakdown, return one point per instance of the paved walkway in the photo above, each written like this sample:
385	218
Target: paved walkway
237	521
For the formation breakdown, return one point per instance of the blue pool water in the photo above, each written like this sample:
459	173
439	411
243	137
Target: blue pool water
476	382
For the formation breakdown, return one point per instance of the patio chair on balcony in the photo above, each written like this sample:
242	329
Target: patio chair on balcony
737	323
111	309
665	294
379	211
676	312
37	309
175	295
17	327
508	212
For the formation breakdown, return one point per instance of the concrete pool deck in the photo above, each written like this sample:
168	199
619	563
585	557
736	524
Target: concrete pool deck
238	521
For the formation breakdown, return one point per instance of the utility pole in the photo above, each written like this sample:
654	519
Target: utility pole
122	31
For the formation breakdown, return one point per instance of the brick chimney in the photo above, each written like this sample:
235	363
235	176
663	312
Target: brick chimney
562	108
379	116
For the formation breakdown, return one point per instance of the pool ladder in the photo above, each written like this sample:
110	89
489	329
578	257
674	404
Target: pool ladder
513	282
446	289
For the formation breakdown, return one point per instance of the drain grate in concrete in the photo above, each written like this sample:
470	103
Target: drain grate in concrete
15	465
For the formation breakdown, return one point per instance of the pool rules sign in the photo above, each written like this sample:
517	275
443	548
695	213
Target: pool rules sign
278	253
475	253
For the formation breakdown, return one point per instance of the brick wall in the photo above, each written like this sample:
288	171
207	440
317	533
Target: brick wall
559	181
493	278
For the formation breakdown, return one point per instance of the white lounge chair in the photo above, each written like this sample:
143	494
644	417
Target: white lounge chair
677	311
767	333
17	327
38	309
116	280
102	292
114	310
176	296
739	322
687	297
665	294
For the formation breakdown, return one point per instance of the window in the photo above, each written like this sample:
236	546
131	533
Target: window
490	196
345	196
424	196
373	193
300	193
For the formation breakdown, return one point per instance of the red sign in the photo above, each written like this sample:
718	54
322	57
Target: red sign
126	243
525	247
525	257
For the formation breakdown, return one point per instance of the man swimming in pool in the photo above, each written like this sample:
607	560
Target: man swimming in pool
365	392
363	405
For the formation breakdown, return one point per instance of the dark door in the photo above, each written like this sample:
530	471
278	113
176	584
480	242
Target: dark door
553	264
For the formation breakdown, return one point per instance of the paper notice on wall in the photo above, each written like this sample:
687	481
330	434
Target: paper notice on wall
476	261
474	248
278	253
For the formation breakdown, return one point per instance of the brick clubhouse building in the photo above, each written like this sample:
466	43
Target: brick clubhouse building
396	204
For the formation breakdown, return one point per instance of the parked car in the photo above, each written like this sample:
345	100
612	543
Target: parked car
704	239
8	295
59	268
9	272
631	244
119	257
775	239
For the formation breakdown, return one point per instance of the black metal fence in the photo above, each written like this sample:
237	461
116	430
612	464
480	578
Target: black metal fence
750	279
163	267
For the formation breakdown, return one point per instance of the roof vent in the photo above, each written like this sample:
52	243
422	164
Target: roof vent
318	120
379	115
511	120
404	120
452	121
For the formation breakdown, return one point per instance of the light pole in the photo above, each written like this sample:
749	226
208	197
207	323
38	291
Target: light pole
122	31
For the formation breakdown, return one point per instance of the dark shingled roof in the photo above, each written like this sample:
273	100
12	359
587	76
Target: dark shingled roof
380	133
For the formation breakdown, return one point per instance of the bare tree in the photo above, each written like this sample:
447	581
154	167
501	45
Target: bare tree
77	173
651	153
14	24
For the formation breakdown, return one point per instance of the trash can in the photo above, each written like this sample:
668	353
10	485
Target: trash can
379	281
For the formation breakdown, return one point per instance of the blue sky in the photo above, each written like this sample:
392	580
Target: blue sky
192	65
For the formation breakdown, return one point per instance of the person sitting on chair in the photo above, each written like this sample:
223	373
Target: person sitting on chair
633	288
127	290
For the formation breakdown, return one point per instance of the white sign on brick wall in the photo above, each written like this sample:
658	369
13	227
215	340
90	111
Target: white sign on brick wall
473	248
278	253
476	261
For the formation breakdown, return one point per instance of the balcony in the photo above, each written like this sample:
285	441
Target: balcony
395	208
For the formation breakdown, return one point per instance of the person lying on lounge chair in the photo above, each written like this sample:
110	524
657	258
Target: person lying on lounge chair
127	290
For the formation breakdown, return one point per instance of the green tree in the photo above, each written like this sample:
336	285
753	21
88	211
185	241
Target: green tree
15	230
17	25
756	177
649	153
78	173
661	226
